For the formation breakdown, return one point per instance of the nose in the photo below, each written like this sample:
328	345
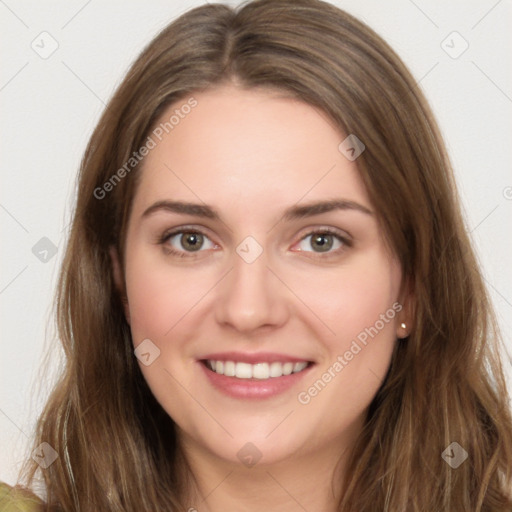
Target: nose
251	296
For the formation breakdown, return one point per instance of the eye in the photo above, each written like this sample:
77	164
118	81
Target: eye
182	242
324	241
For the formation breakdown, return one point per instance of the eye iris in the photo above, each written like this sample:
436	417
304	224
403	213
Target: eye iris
192	241
322	241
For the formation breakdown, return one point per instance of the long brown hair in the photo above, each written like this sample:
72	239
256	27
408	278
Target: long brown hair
117	448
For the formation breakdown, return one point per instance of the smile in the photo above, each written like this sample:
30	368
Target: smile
241	370
246	375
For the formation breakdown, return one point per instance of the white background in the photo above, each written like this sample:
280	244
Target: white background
50	107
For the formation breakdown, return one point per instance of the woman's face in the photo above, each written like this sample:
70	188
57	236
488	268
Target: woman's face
253	248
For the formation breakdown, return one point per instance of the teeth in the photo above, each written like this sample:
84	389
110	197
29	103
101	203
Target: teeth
276	369
287	368
243	370
261	371
229	369
255	371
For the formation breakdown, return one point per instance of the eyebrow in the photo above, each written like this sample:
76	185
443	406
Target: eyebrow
294	212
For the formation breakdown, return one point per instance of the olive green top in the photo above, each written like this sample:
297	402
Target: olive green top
18	500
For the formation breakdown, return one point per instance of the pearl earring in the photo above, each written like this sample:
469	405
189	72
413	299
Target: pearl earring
403	326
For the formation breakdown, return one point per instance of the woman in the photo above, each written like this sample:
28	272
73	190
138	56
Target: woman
269	299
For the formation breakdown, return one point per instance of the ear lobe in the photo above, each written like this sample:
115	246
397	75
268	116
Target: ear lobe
119	280
405	319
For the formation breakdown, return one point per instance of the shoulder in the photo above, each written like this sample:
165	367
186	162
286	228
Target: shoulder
17	499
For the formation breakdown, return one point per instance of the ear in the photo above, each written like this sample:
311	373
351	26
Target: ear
405	317
119	280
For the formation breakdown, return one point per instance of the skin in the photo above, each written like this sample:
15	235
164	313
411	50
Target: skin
251	154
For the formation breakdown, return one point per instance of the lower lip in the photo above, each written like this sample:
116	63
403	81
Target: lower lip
253	388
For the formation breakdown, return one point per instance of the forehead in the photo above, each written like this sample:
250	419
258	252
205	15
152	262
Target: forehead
254	146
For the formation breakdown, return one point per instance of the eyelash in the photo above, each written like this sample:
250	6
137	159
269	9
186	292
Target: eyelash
347	243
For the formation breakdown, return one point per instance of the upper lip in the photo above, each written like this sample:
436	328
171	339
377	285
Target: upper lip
254	357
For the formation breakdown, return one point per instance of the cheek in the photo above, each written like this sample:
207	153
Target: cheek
360	306
159	296
354	297
150	304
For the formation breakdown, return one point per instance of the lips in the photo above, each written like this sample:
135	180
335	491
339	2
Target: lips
256	375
